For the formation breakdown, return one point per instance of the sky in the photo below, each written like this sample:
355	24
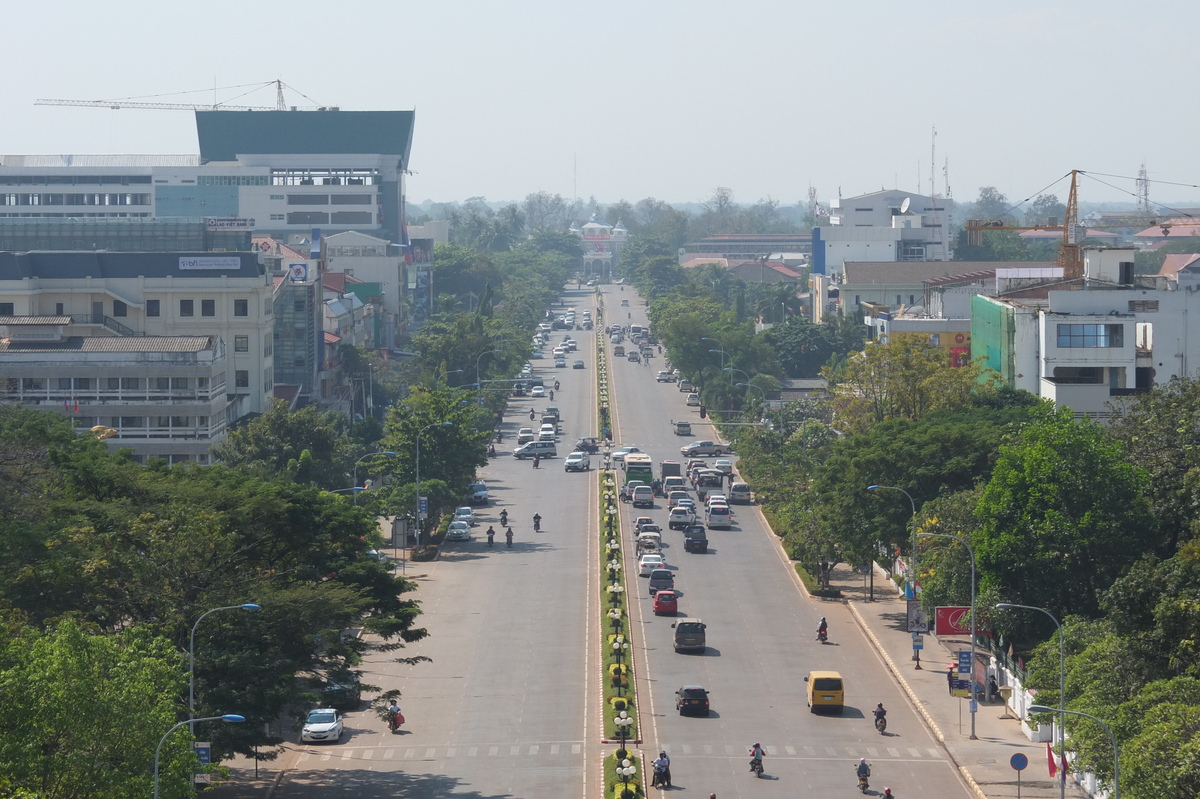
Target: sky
658	98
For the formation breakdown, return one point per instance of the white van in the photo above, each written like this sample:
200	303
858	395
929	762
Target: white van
719	517
739	493
543	449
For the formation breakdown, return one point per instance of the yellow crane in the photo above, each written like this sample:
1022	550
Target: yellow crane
132	102
1070	253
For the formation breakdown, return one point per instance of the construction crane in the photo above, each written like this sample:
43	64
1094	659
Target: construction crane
1070	253
280	105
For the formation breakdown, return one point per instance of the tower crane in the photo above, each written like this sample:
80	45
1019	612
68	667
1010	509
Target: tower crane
1070	253
119	103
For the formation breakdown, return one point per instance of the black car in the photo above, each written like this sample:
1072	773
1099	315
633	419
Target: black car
691	700
343	690
695	538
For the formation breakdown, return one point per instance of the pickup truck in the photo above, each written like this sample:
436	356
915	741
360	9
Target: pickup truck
704	448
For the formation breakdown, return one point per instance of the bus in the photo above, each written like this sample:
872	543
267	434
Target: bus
638	466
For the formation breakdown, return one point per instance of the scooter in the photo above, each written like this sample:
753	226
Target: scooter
508	537
862	779
822	636
757	767
504	518
881	725
537	524
662	777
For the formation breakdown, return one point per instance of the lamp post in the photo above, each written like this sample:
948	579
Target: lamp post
1112	738
364	457
192	657
417	516
623	722
913	565
756	388
1062	676
619	646
614	593
614	615
721	350
479	382
731	370
230	718
971	552
625	771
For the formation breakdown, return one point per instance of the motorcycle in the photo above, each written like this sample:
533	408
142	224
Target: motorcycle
863	784
537	524
395	721
491	450
556	387
508	537
822	636
757	767
881	724
504	518
662	777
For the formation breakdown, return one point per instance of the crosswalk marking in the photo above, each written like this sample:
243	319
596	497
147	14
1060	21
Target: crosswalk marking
471	752
934	753
389	754
708	749
791	750
430	752
368	754
408	753
554	749
687	749
914	752
450	752
533	750
892	752
346	754
576	748
493	751
513	751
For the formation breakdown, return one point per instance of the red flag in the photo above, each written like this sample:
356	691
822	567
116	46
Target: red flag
1065	769
77	406
66	406
1050	759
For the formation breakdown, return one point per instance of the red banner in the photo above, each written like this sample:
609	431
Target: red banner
952	620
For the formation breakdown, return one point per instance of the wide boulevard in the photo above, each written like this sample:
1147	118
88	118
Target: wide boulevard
510	705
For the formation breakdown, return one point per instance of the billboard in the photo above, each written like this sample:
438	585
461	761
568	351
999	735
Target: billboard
228	223
952	620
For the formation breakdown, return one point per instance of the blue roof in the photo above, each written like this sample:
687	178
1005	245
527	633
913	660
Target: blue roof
224	135
77	265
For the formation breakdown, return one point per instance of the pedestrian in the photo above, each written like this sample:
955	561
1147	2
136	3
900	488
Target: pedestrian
993	688
950	679
537	461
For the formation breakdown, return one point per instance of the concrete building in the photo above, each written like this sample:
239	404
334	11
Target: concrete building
271	172
602	246
373	260
884	226
1089	343
131	296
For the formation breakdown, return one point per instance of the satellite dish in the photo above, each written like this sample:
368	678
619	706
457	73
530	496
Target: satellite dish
904	205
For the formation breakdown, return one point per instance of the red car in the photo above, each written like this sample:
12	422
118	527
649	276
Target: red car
666	603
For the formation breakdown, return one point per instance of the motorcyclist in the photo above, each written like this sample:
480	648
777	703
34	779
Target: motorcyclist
393	715
504	518
556	387
756	755
822	628
537	522
508	536
863	770
532	414
880	717
491	450
662	766
491	534
887	793
551	394
537	461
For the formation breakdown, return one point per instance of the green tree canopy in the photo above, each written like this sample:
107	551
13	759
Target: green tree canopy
304	445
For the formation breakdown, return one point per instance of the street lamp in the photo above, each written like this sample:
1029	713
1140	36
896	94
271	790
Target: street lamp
1062	676
625	771
614	615
971	676
1111	737
913	565
229	718
614	593
731	370
623	722
192	657
417	539
756	388
619	646
479	382
719	344
364	457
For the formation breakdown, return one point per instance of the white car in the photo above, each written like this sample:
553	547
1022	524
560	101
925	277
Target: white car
619	454
560	352
560	363
723	465
665	377
715	499
537	391
458	531
322	724
464	514
693	400
649	563
570	345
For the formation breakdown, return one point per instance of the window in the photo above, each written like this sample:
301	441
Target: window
132	421
120	309
187	308
298	306
1091	336
162	383
241	378
131	382
114	383
1140	306
179	382
58	309
208	307
6	309
278	217
241	307
64	384
241	343
152	308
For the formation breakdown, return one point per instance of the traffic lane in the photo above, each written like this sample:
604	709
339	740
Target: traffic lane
750	571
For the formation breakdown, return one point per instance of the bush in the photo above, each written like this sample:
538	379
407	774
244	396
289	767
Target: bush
423	553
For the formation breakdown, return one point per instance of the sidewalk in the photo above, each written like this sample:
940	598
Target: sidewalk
247	782
984	763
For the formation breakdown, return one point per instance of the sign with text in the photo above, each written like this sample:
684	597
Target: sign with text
196	262
918	622
229	223
298	273
952	620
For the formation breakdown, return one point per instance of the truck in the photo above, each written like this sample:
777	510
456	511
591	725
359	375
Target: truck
682	428
697	448
670	469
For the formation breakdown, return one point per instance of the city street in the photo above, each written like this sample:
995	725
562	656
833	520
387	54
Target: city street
509	707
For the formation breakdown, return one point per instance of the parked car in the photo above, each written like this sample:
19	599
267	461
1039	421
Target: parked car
648	563
692	700
537	391
478	492
666	603
322	725
464	514
686	385
458	531
665	377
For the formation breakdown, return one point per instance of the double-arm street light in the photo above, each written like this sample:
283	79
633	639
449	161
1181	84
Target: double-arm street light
971	676
1062	677
1112	738
721	350
192	658
417	516
230	718
731	370
912	566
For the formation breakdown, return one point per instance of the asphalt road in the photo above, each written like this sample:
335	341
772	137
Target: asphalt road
503	709
761	632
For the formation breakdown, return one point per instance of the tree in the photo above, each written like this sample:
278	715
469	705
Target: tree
905	377
802	347
992	206
544	212
84	713
304	445
1044	208
1062	517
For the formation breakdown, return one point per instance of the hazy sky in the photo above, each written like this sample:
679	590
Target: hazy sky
668	99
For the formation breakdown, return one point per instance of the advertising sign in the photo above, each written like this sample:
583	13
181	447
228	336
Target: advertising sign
918	622
952	620
229	223
197	262
298	273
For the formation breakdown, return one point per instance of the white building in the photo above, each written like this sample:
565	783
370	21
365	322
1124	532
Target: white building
892	226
